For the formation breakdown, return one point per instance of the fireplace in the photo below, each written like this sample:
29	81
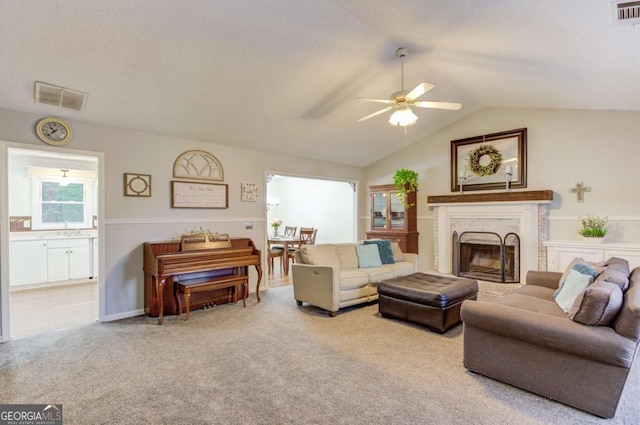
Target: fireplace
523	213
486	256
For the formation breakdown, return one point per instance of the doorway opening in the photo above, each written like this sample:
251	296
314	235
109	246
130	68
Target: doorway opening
328	206
53	250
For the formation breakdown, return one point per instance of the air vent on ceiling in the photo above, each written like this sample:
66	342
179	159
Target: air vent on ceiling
60	96
626	12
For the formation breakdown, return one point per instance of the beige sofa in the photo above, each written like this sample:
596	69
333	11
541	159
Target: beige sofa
526	340
328	275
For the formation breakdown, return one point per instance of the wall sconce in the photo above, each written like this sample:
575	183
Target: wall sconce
508	172
272	203
64	180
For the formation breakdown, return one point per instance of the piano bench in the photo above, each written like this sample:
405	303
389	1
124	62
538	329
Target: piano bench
187	287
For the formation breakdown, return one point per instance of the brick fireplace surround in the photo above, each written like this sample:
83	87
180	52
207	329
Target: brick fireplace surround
522	212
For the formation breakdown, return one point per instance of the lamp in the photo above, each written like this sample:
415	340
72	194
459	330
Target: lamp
64	180
403	117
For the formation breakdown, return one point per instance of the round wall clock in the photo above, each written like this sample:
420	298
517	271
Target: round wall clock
53	131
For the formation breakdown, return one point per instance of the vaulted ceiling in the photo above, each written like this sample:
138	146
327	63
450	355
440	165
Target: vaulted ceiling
282	75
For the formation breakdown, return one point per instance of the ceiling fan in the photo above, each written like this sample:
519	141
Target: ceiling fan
402	101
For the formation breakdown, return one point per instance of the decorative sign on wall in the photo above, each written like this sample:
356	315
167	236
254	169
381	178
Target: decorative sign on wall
579	190
249	192
198	165
199	195
486	162
137	184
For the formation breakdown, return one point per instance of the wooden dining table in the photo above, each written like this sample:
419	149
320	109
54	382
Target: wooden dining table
286	241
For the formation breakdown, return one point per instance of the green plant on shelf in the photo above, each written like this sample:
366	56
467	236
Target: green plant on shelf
593	226
406	181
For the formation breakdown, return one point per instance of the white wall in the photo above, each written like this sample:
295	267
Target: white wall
599	148
325	205
132	221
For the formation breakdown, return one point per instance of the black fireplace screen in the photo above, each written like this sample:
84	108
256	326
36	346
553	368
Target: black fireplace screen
487	256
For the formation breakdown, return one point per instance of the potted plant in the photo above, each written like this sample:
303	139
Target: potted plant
276	223
593	228
406	181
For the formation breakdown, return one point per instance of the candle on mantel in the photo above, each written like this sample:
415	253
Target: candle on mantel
508	169
463	174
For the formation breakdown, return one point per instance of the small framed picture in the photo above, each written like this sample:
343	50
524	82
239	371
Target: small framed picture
137	184
249	192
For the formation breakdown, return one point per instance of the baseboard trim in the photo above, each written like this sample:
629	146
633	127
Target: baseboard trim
124	315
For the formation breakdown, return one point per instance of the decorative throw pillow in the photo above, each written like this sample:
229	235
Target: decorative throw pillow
368	256
617	271
586	268
384	248
568	269
571	288
398	255
598	305
614	276
578	264
616	263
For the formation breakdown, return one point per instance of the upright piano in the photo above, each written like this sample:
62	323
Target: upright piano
168	261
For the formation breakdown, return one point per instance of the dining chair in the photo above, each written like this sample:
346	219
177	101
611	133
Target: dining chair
274	251
290	230
305	238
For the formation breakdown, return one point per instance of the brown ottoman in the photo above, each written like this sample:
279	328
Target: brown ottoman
426	299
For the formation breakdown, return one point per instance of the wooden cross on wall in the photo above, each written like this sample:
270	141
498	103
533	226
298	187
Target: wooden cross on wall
579	191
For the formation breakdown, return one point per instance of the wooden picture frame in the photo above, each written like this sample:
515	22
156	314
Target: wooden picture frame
199	195
482	162
198	165
138	185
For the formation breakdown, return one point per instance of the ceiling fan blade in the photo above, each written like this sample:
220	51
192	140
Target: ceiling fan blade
438	105
368	99
381	111
420	89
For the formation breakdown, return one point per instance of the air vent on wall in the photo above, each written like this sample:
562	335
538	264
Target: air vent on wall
60	96
626	12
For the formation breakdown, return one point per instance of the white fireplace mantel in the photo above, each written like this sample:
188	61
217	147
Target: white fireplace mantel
527	217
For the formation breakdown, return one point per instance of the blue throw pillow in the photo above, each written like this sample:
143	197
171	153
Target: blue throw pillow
584	268
384	248
368	256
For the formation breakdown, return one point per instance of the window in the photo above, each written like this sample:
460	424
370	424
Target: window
56	206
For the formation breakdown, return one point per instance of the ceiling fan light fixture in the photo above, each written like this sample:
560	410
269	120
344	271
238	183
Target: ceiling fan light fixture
403	117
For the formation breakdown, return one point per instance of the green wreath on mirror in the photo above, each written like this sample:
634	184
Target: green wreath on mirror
495	160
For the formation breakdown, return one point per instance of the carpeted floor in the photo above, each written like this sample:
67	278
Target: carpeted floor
272	363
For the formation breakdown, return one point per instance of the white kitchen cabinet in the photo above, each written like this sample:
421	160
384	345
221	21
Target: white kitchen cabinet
28	262
80	261
68	259
560	253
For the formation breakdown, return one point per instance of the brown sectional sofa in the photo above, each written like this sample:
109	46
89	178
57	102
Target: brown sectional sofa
526	340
